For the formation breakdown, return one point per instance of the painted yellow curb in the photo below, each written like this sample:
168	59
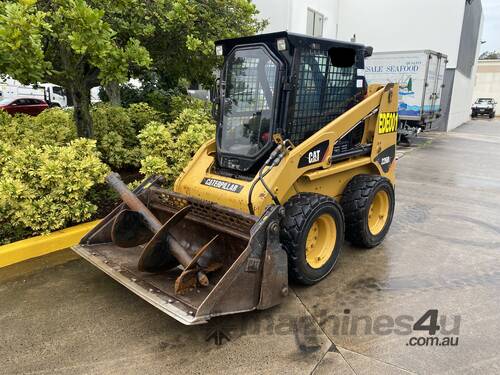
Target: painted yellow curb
37	246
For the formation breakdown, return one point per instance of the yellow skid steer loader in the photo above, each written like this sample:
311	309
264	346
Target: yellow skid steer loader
304	156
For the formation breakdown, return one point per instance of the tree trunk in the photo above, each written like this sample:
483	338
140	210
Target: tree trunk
81	102
113	91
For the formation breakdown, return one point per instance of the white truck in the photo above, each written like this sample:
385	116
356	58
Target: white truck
54	95
420	76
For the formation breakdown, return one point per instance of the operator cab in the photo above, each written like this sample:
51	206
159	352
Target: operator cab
282	84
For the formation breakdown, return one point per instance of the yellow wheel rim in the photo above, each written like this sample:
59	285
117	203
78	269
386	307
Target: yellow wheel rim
321	241
378	213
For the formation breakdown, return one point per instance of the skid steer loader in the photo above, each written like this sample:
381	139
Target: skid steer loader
304	157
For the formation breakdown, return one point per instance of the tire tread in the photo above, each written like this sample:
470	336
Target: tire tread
355	199
297	209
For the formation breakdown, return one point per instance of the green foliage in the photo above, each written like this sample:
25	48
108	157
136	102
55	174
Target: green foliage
116	135
79	44
53	126
22	28
179	103
184	42
45	189
113	119
4	119
49	179
167	148
156	140
151	94
57	39
189	141
76	44
141	114
116	132
6	152
168	104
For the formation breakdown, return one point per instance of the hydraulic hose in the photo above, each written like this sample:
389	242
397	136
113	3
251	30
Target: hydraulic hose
274	159
261	178
250	192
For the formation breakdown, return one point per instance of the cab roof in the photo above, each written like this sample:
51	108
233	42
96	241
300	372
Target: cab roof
295	40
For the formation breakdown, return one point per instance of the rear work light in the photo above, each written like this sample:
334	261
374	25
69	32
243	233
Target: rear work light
281	44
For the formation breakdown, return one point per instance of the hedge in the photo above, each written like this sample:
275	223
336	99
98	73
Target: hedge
167	148
46	188
49	179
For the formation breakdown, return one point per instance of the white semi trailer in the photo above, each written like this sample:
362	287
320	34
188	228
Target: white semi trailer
420	76
54	95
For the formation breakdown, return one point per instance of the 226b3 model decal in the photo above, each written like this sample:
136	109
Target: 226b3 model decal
388	122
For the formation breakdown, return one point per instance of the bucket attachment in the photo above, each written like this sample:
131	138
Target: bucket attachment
190	258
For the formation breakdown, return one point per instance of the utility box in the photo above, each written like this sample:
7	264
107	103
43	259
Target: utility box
420	76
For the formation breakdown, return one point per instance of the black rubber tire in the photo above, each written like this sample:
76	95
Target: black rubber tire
356	201
492	115
300	213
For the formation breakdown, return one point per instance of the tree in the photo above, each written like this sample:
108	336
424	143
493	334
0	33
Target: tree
79	44
69	43
138	20
183	45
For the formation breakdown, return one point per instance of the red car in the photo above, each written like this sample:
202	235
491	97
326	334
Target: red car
29	106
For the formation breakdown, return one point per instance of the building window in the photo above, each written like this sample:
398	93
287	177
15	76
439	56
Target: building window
315	21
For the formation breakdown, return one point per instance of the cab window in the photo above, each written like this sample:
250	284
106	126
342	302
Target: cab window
251	79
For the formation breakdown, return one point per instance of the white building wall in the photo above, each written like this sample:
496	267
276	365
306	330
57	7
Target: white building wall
402	25
460	101
388	25
329	9
276	12
291	15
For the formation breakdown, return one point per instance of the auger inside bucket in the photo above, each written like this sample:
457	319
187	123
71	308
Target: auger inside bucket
191	259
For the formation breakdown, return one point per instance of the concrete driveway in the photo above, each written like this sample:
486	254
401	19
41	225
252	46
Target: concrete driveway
59	315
